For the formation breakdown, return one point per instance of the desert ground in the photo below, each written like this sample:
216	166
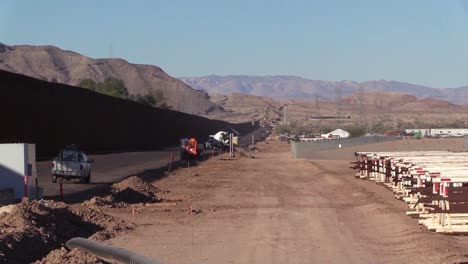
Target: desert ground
274	209
261	206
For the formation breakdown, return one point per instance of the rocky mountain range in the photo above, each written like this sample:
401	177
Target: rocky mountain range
57	65
390	107
293	87
53	64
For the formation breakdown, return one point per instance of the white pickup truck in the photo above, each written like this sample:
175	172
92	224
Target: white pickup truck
71	164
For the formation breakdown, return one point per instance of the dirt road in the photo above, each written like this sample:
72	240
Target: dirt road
111	168
108	169
273	209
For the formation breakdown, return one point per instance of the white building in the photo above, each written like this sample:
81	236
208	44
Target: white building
338	133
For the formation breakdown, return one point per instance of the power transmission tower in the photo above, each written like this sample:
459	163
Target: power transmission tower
317	109
362	107
449	111
339	107
317	105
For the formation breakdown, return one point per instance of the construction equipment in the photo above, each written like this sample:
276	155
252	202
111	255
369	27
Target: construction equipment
190	149
418	135
222	136
221	140
218	141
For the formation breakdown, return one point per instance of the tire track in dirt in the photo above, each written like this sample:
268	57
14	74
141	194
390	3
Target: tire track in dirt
274	209
379	222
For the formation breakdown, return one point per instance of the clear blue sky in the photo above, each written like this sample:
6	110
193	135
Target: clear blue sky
419	41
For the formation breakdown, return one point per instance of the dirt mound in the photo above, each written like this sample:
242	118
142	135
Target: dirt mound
132	190
109	225
42	226
105	201
75	256
124	190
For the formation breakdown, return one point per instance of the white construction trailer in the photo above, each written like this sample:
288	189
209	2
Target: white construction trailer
439	131
337	133
18	170
449	131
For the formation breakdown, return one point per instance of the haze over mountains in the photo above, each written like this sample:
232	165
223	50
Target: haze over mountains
384	107
53	64
293	87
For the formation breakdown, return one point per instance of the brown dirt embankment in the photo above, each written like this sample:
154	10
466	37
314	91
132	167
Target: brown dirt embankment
34	228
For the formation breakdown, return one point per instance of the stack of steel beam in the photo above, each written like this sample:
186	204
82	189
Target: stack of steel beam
433	183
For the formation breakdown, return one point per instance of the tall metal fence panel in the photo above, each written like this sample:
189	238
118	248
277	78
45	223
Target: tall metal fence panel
301	150
52	115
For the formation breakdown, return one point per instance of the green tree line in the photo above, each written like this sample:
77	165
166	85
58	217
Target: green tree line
116	88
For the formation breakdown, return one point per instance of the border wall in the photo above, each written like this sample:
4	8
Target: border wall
302	150
52	115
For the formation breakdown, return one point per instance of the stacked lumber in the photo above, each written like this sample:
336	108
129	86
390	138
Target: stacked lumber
434	184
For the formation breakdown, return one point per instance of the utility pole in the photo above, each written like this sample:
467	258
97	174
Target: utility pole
339	107
231	145
449	110
285	115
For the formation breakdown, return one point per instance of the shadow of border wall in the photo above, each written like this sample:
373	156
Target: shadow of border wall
52	115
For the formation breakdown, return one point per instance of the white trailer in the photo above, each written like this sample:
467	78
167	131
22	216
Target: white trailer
18	169
449	132
437	132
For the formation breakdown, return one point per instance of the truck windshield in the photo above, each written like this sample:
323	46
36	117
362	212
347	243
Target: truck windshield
70	155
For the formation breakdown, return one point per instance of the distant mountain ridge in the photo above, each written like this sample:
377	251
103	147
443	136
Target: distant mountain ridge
53	64
293	87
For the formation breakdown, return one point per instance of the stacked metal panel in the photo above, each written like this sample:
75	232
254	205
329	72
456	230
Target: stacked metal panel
433	183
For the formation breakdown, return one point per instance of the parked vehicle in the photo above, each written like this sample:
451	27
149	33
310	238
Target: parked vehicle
221	136
71	164
418	135
220	140
214	144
